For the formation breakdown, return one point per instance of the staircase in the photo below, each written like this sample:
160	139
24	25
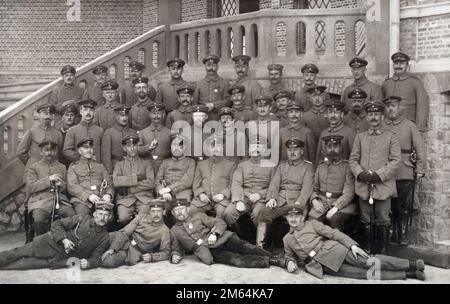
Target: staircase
12	93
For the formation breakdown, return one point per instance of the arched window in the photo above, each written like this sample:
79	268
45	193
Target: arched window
141	56
126	67
339	38
281	38
112	71
155	54
360	37
300	38
321	35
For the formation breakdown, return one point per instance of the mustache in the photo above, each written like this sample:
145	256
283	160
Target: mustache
373	120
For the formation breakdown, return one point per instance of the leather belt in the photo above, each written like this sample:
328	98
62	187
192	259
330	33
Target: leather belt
406	151
293	188
331	194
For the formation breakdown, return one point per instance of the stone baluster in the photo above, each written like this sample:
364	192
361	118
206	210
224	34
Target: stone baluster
330	52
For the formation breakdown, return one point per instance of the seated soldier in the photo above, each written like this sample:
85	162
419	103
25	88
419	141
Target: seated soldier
133	180
183	112
146	238
212	181
80	236
209	240
323	249
43	178
291	185
88	181
334	187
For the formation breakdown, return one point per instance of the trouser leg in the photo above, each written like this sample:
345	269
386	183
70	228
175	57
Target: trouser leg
261	233
141	208
254	215
382	262
66	211
238	245
339	220
82	209
354	272
9	256
220	210
134	256
27	263
41	221
239	260
125	214
115	260
231	214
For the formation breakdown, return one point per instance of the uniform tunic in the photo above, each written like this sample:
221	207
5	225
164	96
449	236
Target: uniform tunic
167	94
139	115
64	93
346	143
372	90
182	113
178	175
77	133
95	93
299	132
104	115
112	149
316	121
252	91
358	123
212	89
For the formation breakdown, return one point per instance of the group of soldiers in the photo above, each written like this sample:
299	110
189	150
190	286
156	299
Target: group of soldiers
178	167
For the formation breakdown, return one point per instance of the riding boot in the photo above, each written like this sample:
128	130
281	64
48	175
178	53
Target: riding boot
261	235
9	256
382	236
365	234
276	261
27	263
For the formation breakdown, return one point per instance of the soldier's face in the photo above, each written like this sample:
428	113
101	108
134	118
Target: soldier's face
100	77
131	150
309	78
185	99
216	150
334	116
393	109
357	105
45	117
82	84
375	119
317	100
282	103
110	95
237	99
294	219
294	116
333	149
199	118
274	77
294	154
48	153
134	73
68	118
226	121
400	67
241	69
263	110
101	217
68	78
211	67
87	114
359	72
180	213
156	214
177	148
141	90
256	150
175	71
156	116
86	152
122	119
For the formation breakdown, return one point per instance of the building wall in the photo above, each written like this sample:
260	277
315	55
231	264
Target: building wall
150	14
195	10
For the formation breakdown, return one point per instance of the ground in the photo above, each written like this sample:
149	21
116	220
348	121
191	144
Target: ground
189	271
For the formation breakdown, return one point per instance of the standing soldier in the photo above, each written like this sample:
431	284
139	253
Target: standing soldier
372	90
104	115
334	187
212	91
315	118
335	114
275	73
309	72
139	115
183	112
134	181
85	129
94	91
167	91
112	150
69	115
128	95
85	180
43	178
291	185
237	95
28	150
282	99
68	91
235	139
411	143
356	118
252	87
374	161
410	89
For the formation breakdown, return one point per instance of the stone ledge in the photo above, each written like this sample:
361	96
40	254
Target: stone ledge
434	257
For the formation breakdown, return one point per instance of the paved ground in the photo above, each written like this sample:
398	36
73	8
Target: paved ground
189	271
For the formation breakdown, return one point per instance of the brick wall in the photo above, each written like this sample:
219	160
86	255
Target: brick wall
150	14
343	3
433	37
195	10
408	37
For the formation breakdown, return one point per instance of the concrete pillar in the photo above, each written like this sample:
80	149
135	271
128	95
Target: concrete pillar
394	43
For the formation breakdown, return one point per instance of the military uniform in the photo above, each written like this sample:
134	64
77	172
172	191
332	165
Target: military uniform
304	134
128	96
357	122
252	87
183	113
95	93
243	114
104	115
178	175
79	132
346	143
162	150
316	121
112	151
302	96
271	90
139	114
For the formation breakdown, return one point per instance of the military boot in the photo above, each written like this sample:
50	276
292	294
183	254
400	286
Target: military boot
9	256
27	263
261	232
382	236
419	275
416	265
276	261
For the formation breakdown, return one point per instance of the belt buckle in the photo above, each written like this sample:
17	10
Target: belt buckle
328	194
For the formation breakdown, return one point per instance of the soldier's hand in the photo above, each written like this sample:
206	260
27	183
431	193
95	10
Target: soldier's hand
212	239
141	177
331	212
240	206
164	190
272	203
364	176
218	197
55	178
106	198
147	257
203	198
68	245
318	206
254	197
167	196
210	106
153	144
176	259
84	264
292	266
374	178
358	251
107	253
93	198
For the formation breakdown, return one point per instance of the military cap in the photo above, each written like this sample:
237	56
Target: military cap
275	66
373	106
122	109
295	105
317	90
179	202
86	142
68	69
48	142
211	57
89	103
109	85
46	106
399	56
136	66
309	68
257	139
332	139
357	62
237	88
294	143
295	210
177	62
263	100
283	93
157	203
185	88
334	103
241	59
140	80
100	69
199	108
105	206
156	106
130	139
390	99
226	111
177	136
69	106
357	93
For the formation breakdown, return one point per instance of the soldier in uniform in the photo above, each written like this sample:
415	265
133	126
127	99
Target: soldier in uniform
134	181
241	113
167	91
154	141
372	90
235	139
282	99
410	89
68	91
128	95
212	91
104	115
374	161
94	91
410	143
315	118
42	179
212	181
197	133
81	236
183	112
28	150
335	115
252	87
323	249
85	129
139	115
356	118
69	117
146	238
112	150
210	242
291	185
275	73
85	180
334	187
309	73
296	129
